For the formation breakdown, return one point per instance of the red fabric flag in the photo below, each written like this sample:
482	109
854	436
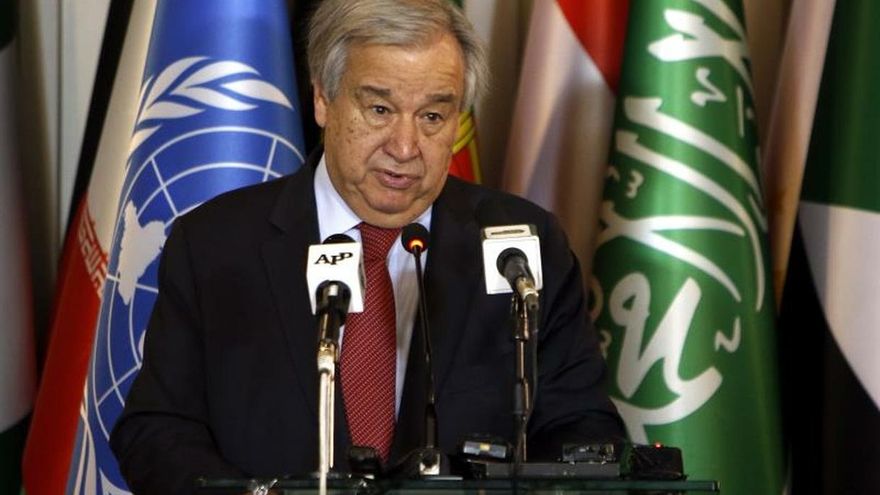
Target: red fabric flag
51	438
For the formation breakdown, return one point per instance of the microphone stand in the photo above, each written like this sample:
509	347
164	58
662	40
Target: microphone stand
524	317
426	460
327	353
429	463
333	299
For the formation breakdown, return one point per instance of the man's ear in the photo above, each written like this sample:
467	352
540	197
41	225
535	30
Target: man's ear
321	103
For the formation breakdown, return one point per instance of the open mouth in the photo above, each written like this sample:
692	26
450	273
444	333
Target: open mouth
395	180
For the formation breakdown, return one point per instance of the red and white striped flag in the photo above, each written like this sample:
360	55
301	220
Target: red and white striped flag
558	145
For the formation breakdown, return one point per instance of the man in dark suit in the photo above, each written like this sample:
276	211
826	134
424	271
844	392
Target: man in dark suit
228	386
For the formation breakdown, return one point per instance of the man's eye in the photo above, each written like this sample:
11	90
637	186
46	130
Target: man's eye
433	117
380	110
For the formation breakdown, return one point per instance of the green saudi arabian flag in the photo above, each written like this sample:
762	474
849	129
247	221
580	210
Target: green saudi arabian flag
683	299
16	344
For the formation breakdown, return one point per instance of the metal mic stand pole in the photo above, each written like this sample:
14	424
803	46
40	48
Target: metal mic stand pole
327	372
429	463
522	399
332	299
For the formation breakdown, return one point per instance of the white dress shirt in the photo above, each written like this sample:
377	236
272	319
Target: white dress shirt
335	217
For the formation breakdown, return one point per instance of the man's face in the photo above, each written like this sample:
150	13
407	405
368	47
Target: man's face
388	134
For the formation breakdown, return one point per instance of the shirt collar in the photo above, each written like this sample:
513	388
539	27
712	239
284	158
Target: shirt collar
334	214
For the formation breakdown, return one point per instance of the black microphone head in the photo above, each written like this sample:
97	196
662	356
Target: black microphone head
414	237
333	295
337	239
506	255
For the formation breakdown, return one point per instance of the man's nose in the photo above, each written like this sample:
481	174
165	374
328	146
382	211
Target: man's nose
403	143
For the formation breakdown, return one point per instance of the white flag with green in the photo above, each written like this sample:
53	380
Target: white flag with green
840	199
16	338
683	298
839	218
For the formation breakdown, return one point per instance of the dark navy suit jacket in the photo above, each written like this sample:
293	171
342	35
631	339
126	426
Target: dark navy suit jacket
229	382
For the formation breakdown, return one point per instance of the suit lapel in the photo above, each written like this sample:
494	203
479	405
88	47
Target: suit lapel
295	217
284	257
453	274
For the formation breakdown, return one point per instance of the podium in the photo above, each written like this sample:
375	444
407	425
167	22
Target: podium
450	486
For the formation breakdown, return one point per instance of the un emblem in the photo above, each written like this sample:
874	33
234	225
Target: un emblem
170	172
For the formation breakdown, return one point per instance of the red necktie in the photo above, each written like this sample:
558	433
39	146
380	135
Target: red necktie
369	350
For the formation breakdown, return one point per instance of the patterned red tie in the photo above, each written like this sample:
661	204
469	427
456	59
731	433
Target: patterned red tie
369	350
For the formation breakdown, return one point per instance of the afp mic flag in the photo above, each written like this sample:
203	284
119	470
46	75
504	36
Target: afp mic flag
216	112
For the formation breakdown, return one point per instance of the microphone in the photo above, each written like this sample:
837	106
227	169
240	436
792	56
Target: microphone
414	238
512	262
335	264
335	276
514	266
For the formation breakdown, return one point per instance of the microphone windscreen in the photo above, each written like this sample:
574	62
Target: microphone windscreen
505	256
414	236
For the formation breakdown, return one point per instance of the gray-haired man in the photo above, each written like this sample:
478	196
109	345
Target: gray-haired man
229	386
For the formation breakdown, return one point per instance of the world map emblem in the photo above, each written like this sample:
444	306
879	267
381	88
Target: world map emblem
185	150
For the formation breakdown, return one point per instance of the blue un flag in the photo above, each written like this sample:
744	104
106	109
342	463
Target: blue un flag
217	111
